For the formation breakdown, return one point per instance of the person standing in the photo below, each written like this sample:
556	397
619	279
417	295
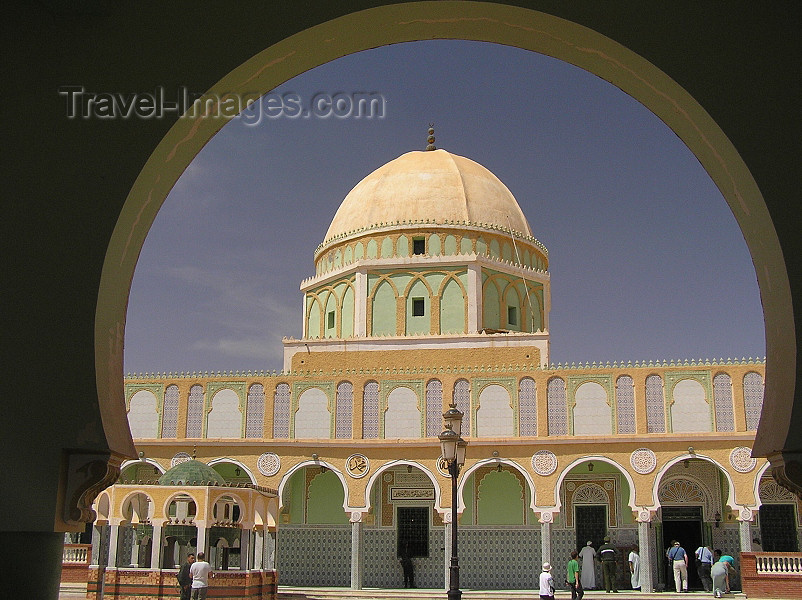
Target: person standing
634	567
588	556
184	578
200	571
704	562
607	554
573	577
678	558
408	567
546	583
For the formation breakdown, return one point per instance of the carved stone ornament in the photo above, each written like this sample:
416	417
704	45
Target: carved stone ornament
87	474
180	457
643	461
644	516
746	514
356	516
546	517
442	467
544	462
741	459
357	465
268	464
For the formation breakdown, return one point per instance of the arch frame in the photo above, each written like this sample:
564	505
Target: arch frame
396	463
312	463
487	462
660	473
596	458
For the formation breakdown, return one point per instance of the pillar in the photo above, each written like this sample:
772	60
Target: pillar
135	545
114	538
203	538
245	550
97	540
156	547
270	543
645	546
745	529
357	563
360	303
545	536
258	549
474	298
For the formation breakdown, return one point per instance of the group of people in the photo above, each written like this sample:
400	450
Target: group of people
193	577
582	576
714	568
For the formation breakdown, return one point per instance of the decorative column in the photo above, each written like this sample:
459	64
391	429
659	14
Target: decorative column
258	548
97	540
245	549
546	519
357	566
474	298
114	539
136	543
156	545
745	529
645	548
203	537
360	303
270	542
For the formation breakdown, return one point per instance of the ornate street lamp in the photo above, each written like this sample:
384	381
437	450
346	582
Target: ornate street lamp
453	449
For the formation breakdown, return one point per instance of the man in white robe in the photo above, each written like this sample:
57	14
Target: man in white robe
588	575
634	568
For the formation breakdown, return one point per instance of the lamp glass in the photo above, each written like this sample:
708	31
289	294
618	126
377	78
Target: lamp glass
448	444
462	446
453	419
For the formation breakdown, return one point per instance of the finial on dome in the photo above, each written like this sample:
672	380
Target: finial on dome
430	139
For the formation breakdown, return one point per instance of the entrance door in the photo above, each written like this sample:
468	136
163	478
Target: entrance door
413	531
591	524
778	528
684	524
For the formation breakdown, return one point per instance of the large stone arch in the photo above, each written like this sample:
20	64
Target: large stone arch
593	458
493	462
396	463
238	463
312	463
502	24
658	477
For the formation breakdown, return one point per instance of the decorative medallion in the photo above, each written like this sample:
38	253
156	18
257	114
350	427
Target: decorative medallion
180	457
546	517
643	461
442	467
268	464
643	516
356	517
544	462
608	485
388	477
570	486
357	465
746	514
741	459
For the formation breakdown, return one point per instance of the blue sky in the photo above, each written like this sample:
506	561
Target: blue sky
646	259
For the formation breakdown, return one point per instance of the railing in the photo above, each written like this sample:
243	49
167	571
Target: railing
776	563
77	554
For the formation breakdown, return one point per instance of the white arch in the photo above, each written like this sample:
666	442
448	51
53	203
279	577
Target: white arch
396	463
225	459
494	461
589	458
316	463
183	491
758	476
150	461
661	473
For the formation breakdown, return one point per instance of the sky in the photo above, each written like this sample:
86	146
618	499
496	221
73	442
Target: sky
646	259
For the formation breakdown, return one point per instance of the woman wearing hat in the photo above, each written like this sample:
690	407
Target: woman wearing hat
546	583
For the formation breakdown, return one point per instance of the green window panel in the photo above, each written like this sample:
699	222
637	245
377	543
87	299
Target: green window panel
348	313
491	305
373	249
383	317
387	248
481	247
418	323
495	251
402	246
506	252
465	246
434	245
500	500
450	245
348	256
324	505
331	312
452	309
313	320
359	251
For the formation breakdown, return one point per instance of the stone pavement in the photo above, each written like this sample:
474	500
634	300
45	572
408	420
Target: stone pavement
76	591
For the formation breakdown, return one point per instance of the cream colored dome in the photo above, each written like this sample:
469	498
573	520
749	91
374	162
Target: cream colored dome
429	186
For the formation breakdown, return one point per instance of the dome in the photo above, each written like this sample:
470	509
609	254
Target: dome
192	472
434	186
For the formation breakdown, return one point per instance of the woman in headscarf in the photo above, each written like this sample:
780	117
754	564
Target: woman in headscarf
588	573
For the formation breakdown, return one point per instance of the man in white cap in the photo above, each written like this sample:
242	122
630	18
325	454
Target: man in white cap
546	583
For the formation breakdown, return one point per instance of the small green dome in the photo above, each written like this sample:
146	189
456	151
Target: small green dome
192	472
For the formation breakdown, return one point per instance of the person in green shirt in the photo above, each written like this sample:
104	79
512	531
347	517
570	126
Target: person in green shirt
572	577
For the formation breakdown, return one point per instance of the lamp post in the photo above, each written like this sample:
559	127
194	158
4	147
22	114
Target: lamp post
453	448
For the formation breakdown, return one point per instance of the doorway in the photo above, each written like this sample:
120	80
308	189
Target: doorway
684	524
413	531
591	525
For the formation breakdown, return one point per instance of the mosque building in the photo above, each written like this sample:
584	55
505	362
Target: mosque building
429	289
